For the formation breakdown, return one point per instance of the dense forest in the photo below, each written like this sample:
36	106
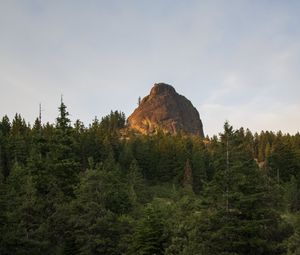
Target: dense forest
70	189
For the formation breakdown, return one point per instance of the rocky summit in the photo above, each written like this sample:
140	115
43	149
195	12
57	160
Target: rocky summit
164	109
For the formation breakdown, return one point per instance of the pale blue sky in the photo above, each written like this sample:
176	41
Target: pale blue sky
236	60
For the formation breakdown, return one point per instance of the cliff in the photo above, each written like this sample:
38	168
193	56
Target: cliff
164	109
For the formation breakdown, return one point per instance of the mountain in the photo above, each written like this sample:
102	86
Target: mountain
164	109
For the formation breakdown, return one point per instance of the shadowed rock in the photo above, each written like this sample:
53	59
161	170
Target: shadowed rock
164	109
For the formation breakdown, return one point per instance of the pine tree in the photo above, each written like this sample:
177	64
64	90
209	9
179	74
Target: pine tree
63	121
5	128
293	194
63	160
294	240
18	140
201	167
149	238
3	215
23	234
100	200
240	215
136	182
283	162
188	176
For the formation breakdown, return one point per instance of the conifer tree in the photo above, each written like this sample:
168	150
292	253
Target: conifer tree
5	128
100	199
149	237
136	182
294	240
241	217
64	162
188	176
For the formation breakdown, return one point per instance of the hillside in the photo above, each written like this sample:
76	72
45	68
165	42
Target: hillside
70	189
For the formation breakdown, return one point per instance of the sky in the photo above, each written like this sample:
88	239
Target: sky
236	60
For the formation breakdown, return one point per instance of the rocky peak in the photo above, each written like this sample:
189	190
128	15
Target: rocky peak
164	109
162	88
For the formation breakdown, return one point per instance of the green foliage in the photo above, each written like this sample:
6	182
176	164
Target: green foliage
284	162
22	233
149	236
240	205
292	193
294	241
70	189
136	183
95	213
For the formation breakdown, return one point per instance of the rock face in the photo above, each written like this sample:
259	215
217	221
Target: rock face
164	109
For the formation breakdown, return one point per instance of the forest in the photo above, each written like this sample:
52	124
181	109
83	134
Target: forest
66	188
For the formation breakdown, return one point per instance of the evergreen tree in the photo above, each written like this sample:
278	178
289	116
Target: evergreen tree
294	240
188	176
63	161
136	183
23	234
71	189
292	189
201	167
149	237
240	217
283	162
3	216
5	128
100	199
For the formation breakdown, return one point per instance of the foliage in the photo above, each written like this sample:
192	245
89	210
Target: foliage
70	189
